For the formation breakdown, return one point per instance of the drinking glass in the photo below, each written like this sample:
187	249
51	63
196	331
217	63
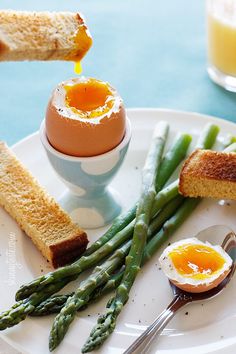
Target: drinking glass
221	30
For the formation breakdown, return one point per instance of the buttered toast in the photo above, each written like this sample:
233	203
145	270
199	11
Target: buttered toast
210	174
28	35
38	214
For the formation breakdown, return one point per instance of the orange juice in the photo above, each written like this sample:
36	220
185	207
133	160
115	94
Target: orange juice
221	19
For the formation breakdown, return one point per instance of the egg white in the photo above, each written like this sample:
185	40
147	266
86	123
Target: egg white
172	273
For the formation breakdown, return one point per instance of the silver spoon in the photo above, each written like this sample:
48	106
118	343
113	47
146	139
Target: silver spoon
182	298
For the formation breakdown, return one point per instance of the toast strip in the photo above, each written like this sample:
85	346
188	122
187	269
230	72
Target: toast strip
209	173
43	36
38	214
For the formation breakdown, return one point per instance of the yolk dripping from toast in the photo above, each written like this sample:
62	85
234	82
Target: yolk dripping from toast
78	68
83	42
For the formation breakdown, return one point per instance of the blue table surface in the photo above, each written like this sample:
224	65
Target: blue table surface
152	51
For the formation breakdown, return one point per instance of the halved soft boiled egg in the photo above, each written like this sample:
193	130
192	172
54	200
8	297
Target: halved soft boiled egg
195	266
85	117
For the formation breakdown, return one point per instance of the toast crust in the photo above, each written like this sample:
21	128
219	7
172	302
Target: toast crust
67	251
208	173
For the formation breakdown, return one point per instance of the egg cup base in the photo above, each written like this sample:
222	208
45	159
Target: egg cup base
92	213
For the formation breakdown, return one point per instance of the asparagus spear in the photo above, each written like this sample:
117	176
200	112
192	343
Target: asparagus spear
55	303
208	136
86	289
152	180
21	309
86	262
206	140
150	175
100	275
175	155
118	224
106	323
229	140
51	305
143	218
60	284
77	267
57	286
169	163
160	202
28	306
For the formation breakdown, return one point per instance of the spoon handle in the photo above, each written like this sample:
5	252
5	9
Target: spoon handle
142	343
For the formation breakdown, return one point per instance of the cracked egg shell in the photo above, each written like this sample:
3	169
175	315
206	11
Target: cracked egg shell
195	266
85	117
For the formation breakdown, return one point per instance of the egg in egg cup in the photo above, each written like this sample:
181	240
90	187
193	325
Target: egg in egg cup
86	135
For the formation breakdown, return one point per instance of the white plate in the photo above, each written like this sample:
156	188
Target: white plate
200	328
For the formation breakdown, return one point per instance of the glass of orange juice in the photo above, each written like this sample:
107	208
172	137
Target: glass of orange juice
221	28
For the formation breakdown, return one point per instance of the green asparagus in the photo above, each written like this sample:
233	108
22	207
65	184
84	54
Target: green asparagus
175	155
100	275
156	242
21	309
84	262
169	163
29	306
143	218
51	305
106	323
56	302
229	140
47	301
208	137
34	300
78	267
150	175
118	224
172	190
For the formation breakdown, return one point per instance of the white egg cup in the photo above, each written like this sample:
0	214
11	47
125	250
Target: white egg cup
89	200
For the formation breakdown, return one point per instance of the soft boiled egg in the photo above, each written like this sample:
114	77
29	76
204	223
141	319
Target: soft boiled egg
85	117
195	266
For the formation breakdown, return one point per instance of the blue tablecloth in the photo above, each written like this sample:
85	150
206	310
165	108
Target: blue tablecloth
152	51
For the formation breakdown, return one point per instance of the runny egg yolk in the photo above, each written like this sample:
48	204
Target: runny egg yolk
89	99
196	261
82	41
78	67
